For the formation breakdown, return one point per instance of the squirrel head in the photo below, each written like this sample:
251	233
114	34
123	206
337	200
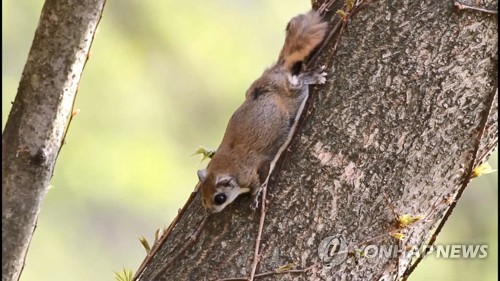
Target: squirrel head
218	191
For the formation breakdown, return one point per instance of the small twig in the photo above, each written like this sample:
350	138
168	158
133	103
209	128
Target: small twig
165	235
325	7
396	215
256	254
461	6
468	175
191	240
269	273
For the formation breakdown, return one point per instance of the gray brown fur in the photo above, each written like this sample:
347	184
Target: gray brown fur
261	124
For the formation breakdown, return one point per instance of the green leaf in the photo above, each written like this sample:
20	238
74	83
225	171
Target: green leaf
158	234
342	14
145	244
207	153
286	267
482	169
350	4
125	275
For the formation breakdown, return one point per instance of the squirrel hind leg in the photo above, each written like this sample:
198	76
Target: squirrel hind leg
313	77
307	78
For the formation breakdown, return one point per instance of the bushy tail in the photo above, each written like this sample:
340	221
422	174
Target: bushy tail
303	33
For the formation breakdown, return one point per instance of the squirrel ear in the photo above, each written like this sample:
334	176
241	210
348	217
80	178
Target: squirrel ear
202	175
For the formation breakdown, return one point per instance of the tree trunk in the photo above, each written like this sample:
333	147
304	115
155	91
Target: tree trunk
37	123
408	110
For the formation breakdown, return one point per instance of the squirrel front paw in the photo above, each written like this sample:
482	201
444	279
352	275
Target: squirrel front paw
256	198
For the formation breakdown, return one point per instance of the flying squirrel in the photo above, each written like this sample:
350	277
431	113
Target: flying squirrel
261	125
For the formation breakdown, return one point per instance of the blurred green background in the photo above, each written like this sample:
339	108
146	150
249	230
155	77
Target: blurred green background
164	78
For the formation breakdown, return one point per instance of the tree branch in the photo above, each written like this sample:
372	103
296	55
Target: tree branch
402	112
36	126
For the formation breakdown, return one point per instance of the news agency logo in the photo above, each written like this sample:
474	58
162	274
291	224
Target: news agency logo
333	250
439	251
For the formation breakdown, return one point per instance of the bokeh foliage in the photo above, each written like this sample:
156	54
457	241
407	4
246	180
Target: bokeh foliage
163	79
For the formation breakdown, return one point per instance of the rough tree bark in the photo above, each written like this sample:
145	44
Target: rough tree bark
409	109
37	123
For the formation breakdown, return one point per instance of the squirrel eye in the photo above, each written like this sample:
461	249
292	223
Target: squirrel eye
220	198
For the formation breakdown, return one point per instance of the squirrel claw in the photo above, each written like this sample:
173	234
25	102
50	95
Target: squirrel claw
322	78
255	204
